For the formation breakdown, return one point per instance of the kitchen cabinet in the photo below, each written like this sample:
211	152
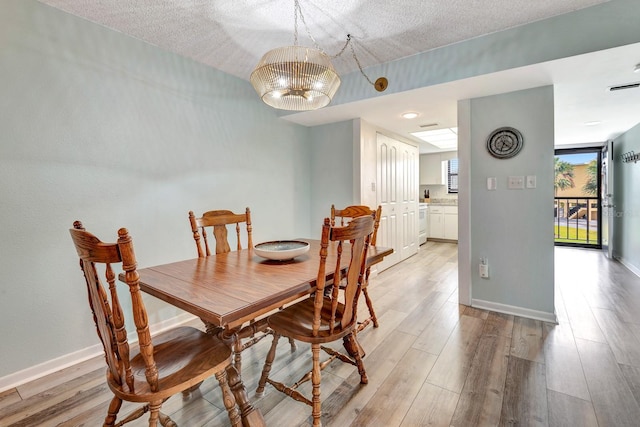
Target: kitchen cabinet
450	220
436	222
443	222
433	170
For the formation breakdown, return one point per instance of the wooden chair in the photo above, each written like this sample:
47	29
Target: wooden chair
219	220
165	364
324	318
345	215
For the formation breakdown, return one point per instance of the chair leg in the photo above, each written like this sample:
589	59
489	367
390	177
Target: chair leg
186	394
165	421
112	414
372	312
316	374
154	409
353	348
292	343
228	399
267	365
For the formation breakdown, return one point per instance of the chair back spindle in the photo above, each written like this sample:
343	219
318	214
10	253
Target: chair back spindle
182	358
219	219
355	211
106	307
343	313
326	317
347	214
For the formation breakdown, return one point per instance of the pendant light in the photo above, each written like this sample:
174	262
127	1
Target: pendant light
295	77
301	78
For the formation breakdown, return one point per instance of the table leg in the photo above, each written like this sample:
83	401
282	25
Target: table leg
251	416
231	339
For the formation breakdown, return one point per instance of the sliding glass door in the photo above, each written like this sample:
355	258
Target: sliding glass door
577	208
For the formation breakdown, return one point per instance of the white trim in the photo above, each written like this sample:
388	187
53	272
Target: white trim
50	366
465	285
516	311
628	265
596	145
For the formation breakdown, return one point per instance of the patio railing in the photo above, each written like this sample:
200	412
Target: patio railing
576	220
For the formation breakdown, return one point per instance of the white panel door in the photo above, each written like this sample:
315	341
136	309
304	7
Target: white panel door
387	198
409	201
397	176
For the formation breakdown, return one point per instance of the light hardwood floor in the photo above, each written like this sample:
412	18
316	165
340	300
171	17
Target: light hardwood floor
431	361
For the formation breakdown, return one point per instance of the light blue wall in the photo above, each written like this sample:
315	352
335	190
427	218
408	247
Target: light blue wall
626	234
513	229
83	107
107	129
332	176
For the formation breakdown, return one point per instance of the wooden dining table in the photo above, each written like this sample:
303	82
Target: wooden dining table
228	290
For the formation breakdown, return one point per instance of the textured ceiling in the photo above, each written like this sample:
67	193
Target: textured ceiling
232	35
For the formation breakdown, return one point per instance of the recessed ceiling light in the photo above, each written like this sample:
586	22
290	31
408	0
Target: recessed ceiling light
410	115
593	123
441	138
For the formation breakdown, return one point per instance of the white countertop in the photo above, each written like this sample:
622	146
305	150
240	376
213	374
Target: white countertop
442	202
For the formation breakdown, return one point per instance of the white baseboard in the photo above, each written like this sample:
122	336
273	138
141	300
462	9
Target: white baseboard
516	311
635	270
50	366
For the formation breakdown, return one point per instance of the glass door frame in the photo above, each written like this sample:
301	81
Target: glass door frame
597	150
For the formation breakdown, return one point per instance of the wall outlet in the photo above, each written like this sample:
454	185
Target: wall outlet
484	268
484	271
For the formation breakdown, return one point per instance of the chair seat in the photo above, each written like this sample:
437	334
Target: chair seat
295	321
183	355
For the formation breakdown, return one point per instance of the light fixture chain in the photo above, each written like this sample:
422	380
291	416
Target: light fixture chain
343	47
353	52
299	12
296	6
355	58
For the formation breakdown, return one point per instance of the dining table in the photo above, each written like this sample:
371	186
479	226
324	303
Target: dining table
228	290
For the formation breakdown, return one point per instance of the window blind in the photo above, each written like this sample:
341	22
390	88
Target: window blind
452	175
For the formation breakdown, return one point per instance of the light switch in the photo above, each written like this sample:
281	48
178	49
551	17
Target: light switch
491	183
531	181
516	183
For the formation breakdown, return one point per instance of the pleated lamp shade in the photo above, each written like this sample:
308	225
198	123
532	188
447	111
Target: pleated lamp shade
295	78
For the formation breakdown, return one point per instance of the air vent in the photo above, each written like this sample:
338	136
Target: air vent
429	125
622	87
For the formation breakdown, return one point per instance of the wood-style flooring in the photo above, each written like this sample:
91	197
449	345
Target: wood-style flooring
432	362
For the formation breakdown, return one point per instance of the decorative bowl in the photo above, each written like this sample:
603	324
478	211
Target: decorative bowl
281	250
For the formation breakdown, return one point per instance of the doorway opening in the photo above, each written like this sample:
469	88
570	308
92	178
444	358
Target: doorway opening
577	212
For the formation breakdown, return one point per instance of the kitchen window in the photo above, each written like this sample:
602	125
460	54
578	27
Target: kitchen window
452	176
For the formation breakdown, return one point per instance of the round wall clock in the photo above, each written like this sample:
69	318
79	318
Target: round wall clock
504	143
